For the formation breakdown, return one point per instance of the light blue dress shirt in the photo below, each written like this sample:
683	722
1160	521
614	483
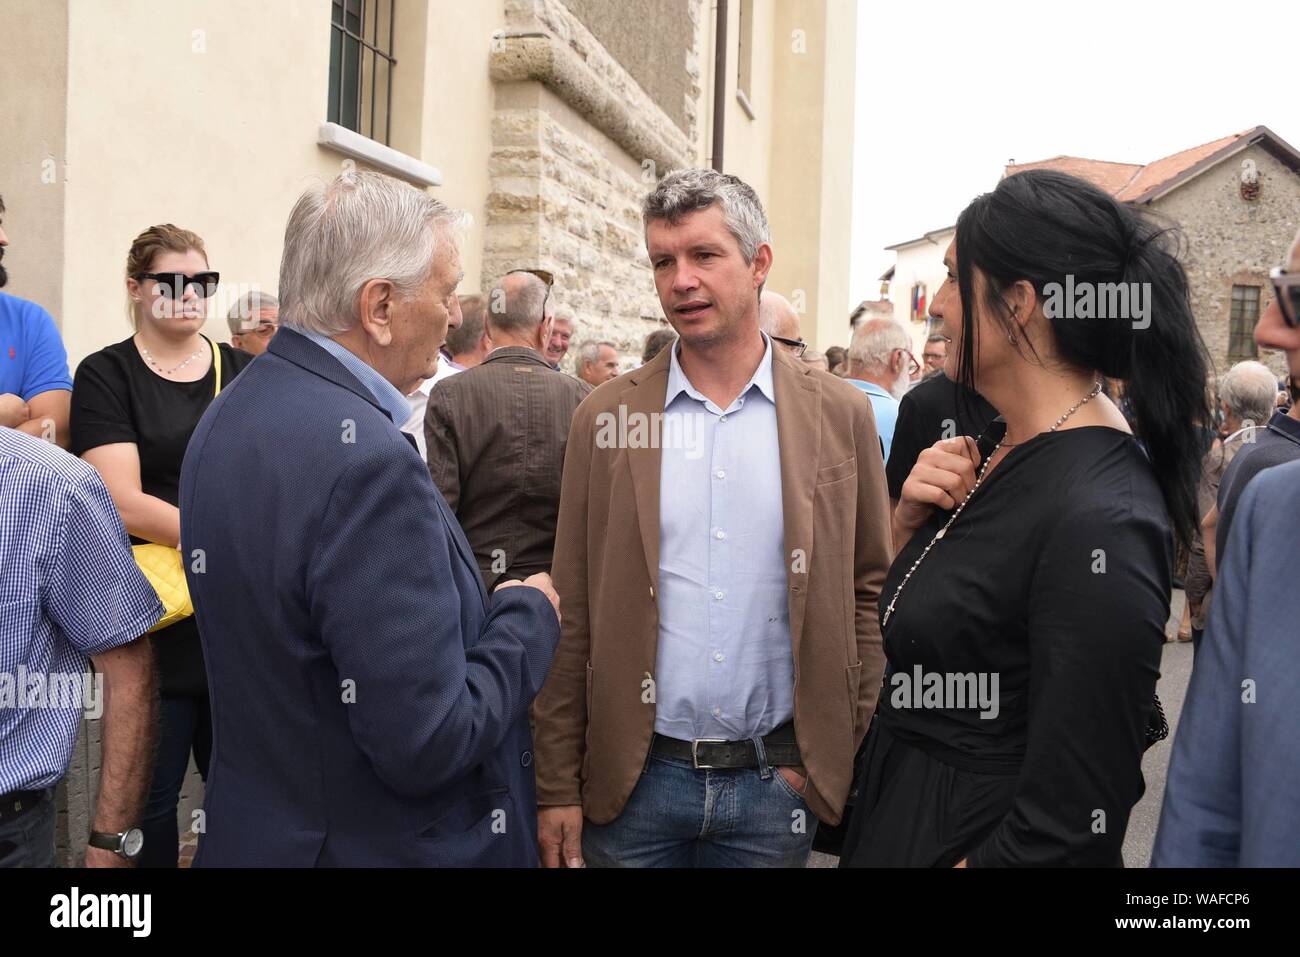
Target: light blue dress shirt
885	408
725	665
388	396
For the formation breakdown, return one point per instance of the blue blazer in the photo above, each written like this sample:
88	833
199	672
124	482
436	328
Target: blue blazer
1232	798
369	699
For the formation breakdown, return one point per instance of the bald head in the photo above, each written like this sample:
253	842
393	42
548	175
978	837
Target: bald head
515	312
777	317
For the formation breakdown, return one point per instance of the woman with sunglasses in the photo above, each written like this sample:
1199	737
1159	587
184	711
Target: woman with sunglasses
134	406
1023	616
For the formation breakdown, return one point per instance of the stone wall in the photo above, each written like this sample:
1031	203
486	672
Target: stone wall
1232	240
576	145
643	36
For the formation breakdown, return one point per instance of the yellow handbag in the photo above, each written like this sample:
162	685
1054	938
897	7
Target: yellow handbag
162	565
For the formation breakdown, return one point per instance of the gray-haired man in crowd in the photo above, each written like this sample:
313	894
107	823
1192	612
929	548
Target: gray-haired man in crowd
1246	399
597	362
881	364
253	320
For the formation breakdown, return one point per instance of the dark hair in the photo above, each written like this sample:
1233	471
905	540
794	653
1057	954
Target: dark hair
465	337
655	342
1041	226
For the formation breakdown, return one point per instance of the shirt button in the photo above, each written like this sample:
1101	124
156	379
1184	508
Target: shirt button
719	534
718	595
722	418
526	759
717	712
721	473
718	656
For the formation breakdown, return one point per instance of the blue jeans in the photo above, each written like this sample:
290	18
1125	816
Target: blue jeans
680	817
28	840
184	724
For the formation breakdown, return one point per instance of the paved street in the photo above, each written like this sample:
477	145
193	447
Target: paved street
1175	672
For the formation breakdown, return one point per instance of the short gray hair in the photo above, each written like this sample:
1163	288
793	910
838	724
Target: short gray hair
244	313
1249	390
515	303
589	352
361	226
875	341
691	190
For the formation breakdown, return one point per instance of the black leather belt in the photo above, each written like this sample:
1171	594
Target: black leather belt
17	803
779	750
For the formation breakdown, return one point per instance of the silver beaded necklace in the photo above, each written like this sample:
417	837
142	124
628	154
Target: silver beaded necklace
979	478
174	369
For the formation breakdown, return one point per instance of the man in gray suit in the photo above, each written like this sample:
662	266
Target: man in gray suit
496	435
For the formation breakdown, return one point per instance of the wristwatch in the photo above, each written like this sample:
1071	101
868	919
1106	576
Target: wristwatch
127	844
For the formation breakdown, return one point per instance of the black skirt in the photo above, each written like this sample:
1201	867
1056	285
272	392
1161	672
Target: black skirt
913	810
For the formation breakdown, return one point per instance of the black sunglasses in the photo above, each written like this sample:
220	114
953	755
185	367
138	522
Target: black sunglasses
798	345
1287	287
545	276
172	285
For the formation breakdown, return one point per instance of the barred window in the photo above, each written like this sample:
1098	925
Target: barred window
1241	325
361	67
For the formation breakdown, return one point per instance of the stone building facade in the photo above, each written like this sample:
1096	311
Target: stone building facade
1232	241
576	143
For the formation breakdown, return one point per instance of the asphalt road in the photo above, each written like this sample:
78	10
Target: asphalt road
1175	672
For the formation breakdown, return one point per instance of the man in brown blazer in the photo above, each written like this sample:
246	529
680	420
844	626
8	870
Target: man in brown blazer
496	434
723	537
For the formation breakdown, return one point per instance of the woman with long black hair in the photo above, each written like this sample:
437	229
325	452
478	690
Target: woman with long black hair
1023	617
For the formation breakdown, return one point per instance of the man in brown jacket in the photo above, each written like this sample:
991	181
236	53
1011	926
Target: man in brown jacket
496	435
722	540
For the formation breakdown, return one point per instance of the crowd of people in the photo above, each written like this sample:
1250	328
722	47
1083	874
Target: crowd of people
408	593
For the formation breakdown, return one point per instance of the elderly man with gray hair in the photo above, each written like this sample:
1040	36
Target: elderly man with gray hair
1246	396
881	365
254	319
369	697
597	362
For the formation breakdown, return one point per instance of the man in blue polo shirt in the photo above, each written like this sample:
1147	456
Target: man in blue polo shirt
881	365
35	387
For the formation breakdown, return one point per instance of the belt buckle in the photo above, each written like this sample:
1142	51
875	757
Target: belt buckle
695	752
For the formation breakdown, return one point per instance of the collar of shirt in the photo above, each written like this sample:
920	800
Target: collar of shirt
1285	426
872	389
388	396
516	352
762	379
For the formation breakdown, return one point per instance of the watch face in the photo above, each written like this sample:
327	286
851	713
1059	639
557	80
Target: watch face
132	842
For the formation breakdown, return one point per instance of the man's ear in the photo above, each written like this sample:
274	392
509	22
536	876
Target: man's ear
762	264
375	304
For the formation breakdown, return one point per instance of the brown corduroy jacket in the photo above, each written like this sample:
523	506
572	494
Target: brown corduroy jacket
496	435
595	715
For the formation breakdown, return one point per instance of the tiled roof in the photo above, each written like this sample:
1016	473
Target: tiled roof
1112	177
1131	183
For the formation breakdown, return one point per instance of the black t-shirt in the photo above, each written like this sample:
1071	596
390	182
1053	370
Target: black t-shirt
934	408
1055	581
116	397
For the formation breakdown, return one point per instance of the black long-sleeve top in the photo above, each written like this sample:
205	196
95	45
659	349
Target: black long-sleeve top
1056	577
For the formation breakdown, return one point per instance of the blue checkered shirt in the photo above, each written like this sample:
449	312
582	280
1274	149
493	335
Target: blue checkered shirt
69	589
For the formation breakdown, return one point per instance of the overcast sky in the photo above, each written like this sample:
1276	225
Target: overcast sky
947	92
